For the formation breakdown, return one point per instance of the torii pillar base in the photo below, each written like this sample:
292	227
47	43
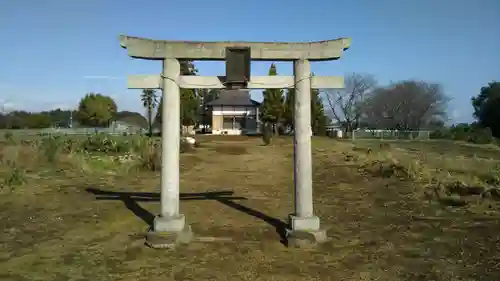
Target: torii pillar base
305	233
168	233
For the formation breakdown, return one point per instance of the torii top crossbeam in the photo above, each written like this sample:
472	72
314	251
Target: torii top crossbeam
144	48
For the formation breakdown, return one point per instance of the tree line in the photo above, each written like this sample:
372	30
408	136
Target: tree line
406	105
59	118
363	103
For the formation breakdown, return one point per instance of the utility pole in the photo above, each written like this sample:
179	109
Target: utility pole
71	118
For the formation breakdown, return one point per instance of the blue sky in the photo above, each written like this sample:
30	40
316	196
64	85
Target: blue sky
54	51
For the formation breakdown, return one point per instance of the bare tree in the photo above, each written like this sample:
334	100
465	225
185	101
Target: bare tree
346	105
407	105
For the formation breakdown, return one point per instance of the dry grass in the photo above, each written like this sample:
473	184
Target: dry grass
87	222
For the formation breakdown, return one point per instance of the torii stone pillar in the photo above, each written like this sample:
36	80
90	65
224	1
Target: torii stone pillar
170	219
303	218
170	227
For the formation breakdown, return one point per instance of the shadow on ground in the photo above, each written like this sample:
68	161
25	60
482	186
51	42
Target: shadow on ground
131	199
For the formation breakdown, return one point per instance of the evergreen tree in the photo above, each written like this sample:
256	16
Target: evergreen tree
149	102
486	107
289	108
205	96
272	106
319	121
318	117
189	107
189	99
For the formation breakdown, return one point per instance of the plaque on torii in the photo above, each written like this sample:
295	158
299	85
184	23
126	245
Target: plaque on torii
238	56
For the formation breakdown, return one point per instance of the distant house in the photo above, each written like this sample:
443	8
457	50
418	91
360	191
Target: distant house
120	127
234	113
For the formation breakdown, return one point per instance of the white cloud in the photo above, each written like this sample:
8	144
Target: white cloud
455	114
7	105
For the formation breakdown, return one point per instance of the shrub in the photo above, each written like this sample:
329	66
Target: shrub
51	147
70	145
150	156
16	175
106	144
481	136
441	134
266	134
465	132
385	165
8	136
186	146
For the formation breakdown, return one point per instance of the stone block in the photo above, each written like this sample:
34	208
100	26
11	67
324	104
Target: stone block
169	224
304	223
305	232
305	239
169	240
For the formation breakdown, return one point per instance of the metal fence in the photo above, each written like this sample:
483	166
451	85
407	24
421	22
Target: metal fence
71	131
389	134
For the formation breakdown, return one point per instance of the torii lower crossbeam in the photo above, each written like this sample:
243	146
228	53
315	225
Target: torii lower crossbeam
217	82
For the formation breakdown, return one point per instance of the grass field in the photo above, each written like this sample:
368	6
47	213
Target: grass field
395	211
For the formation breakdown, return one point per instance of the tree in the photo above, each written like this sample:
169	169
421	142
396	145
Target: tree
319	120
37	120
407	105
132	118
288	109
189	107
318	117
149	102
272	106
487	107
59	117
345	105
96	110
205	96
189	100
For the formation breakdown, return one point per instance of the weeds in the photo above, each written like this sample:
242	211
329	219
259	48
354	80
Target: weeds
62	151
150	156
105	144
16	175
51	147
451	181
267	134
386	165
8	137
186	146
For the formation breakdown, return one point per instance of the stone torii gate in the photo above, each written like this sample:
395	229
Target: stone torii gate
170	226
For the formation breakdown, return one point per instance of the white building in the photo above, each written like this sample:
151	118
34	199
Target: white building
234	113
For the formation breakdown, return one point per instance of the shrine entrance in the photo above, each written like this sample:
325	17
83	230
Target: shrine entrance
170	226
